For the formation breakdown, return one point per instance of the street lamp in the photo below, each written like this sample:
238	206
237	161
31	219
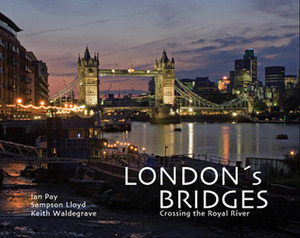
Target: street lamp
42	103
166	147
19	100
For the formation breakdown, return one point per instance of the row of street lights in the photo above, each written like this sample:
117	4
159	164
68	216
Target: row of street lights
121	144
20	100
115	145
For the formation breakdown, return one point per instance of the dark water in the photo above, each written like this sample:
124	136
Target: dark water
229	141
16	219
15	196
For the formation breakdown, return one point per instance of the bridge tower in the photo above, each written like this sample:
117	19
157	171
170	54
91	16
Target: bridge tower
88	74
164	81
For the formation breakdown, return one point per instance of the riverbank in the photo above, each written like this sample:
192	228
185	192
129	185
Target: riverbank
107	224
123	224
110	222
17	219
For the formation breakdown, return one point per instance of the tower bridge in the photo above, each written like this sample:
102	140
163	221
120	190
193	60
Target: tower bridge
166	85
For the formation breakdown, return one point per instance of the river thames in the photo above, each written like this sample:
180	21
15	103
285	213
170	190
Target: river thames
229	141
232	142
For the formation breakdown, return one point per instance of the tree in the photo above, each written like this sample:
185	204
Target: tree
260	106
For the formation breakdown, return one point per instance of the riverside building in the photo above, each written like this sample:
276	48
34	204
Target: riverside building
275	77
18	77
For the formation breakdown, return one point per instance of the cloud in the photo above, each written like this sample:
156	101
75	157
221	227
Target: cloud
238	40
206	48
292	27
168	14
64	8
232	41
285	9
203	40
68	28
197	50
142	46
200	41
172	44
214	64
219	63
285	55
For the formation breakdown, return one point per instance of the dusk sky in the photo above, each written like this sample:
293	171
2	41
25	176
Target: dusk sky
205	37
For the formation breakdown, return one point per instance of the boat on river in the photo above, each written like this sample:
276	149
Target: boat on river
116	125
85	181
29	171
281	137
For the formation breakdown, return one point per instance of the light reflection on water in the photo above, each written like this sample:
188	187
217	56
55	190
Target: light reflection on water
15	195
15	201
226	142
232	142
191	138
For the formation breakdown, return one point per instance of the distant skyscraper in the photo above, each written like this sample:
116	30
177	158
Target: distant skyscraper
250	63
204	86
232	80
245	71
189	83
274	76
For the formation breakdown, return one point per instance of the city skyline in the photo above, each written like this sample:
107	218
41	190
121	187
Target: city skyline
204	37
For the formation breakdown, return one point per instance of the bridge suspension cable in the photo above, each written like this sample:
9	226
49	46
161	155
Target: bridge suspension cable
65	90
192	97
197	101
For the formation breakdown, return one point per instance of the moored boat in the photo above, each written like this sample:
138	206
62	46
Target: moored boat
281	137
28	172
85	181
117	125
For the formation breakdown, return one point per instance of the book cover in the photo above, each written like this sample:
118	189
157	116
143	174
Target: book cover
149	118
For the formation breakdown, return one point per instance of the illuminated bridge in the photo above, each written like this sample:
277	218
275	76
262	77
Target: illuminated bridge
167	87
192	99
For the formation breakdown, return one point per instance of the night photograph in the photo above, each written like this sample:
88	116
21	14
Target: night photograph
161	118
